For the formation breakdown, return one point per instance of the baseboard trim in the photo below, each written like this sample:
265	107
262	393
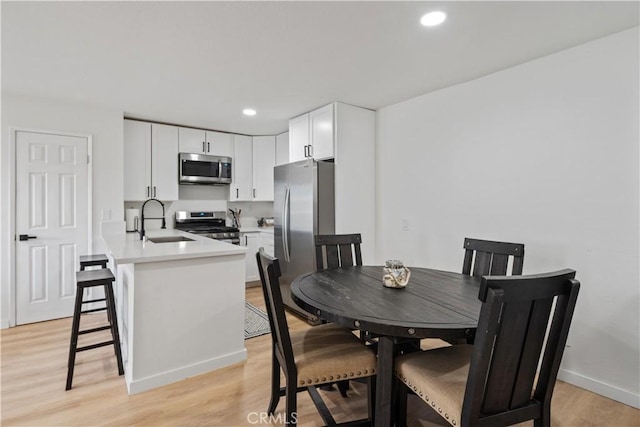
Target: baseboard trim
168	377
603	389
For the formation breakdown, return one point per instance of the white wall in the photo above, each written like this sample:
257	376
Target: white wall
546	154
106	128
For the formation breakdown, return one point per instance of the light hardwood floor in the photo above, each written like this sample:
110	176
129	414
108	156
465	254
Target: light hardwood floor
33	372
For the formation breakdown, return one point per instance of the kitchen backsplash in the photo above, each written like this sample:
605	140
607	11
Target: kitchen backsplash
251	212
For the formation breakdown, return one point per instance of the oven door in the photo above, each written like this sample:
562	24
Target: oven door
199	169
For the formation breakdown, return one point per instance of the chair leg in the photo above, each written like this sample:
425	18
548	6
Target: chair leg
111	309
371	397
545	418
292	402
73	344
343	386
275	383
401	403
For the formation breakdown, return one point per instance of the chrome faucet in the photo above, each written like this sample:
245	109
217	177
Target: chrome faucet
142	218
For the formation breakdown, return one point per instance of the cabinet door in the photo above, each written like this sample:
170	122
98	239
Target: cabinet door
192	141
322	124
137	160
282	149
219	144
298	138
266	241
264	159
252	242
242	185
164	162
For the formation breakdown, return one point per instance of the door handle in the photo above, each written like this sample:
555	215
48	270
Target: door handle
24	237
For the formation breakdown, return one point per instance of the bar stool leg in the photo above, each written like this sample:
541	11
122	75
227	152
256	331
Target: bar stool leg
111	309
74	336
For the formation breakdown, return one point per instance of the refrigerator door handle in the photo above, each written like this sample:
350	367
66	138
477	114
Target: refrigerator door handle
285	224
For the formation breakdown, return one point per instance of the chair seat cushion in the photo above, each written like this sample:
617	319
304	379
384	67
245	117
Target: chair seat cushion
439	377
329	353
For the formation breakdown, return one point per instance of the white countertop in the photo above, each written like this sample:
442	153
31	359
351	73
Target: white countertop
256	229
128	248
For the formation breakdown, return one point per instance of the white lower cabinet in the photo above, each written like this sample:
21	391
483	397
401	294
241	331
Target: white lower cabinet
252	242
266	241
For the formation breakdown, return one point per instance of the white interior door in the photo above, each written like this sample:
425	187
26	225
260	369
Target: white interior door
51	214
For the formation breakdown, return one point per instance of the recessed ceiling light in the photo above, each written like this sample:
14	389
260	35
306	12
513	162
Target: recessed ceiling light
432	19
249	112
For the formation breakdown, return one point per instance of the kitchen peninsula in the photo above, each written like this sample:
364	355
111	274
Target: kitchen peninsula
180	305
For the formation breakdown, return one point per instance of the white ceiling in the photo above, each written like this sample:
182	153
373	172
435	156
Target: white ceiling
200	63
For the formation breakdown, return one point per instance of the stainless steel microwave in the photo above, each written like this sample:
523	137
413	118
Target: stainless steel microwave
204	169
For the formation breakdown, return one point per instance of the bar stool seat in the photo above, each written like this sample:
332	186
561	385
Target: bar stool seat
93	260
87	279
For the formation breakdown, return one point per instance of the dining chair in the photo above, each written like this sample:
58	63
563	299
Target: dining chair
338	250
507	376
486	257
310	357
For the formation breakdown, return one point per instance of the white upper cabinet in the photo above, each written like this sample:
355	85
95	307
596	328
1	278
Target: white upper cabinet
206	142
299	138
242	167
264	159
312	135
137	160
150	161
321	125
164	162
193	141
282	149
219	143
253	162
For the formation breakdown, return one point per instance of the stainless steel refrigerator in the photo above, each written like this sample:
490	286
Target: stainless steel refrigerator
303	207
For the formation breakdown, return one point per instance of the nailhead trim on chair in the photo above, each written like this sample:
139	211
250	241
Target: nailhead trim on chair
357	374
425	398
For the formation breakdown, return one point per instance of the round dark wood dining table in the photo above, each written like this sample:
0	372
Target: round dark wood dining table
435	304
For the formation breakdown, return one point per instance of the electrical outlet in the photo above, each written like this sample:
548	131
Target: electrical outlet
404	224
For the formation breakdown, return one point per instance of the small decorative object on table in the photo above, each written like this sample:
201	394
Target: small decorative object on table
395	274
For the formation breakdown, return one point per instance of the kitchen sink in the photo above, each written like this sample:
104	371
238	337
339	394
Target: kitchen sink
169	239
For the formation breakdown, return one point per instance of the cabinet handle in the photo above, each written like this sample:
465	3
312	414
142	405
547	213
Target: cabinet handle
148	191
154	191
254	193
305	151
208	147
203	149
237	193
310	150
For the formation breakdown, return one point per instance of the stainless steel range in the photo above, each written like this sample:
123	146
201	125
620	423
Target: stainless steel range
208	224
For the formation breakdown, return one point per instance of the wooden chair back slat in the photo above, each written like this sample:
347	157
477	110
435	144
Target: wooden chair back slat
338	250
516	316
533	343
506	357
486	257
269	270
